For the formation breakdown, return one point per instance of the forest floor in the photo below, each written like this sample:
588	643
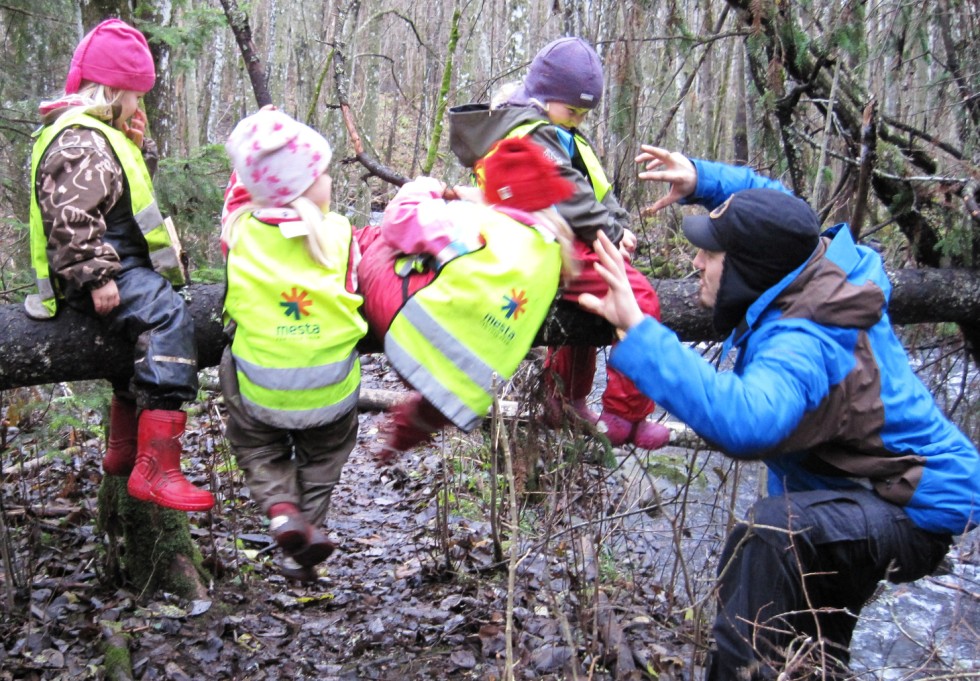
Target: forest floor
607	575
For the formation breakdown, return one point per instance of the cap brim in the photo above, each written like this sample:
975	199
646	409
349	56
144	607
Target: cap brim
700	232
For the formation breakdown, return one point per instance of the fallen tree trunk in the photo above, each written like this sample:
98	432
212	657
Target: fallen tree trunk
73	347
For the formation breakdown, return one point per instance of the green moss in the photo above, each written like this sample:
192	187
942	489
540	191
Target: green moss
151	539
118	662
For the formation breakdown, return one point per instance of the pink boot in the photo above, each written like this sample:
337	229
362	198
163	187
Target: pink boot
644	434
616	428
408	424
650	434
288	527
555	410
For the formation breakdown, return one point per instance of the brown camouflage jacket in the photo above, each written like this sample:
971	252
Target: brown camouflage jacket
79	180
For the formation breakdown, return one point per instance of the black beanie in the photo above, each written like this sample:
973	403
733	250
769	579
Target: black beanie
765	234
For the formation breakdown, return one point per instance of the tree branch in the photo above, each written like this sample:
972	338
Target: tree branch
238	21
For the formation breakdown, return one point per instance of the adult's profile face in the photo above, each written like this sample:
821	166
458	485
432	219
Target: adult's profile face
710	264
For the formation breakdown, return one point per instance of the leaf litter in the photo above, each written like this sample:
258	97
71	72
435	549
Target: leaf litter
417	590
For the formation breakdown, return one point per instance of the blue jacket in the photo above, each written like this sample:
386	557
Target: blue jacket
822	389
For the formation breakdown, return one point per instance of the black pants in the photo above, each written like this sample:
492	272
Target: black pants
801	568
157	320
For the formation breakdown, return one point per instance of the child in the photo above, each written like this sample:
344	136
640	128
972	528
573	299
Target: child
458	289
100	245
563	84
291	376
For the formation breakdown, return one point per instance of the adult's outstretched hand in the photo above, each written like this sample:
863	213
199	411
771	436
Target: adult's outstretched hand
619	305
672	167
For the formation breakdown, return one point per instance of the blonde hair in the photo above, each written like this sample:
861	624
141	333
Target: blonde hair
309	213
506	93
96	100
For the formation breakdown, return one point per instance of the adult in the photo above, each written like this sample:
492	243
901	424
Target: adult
868	479
564	83
100	245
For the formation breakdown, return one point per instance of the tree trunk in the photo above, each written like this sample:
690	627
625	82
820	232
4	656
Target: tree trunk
157	550
38	352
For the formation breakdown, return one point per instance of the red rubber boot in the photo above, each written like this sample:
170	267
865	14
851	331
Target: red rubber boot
157	477
120	454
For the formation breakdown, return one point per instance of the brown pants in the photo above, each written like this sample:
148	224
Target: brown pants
296	466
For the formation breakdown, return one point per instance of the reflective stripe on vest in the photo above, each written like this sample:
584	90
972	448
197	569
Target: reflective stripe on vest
476	321
297	325
597	176
143	206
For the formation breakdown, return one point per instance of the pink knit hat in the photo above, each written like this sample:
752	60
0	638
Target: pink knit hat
275	157
114	54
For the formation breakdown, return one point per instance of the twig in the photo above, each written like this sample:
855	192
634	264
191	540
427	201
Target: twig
818	179
502	442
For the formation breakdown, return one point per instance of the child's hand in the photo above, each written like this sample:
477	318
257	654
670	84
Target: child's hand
136	127
469	193
105	298
627	245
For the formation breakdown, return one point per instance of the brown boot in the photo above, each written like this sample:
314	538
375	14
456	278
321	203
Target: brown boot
157	475
120	454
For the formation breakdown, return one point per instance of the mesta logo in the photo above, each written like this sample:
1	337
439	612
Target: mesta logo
516	304
295	304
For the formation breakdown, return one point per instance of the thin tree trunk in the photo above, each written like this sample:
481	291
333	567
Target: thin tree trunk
238	21
442	98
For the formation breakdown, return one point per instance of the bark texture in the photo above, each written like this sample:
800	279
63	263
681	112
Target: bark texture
38	352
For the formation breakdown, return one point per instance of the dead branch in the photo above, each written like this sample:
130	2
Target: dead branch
373	166
238	21
869	152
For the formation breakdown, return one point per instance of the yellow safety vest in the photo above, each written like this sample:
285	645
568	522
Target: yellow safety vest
475	322
161	239
297	326
597	176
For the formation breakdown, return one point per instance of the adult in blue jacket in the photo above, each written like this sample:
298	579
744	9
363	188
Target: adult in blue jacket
868	479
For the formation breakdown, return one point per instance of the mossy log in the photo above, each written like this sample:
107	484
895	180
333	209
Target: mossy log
74	347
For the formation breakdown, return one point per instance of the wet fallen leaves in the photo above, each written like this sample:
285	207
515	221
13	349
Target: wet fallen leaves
414	592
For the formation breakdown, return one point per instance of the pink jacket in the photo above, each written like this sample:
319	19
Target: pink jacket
419	221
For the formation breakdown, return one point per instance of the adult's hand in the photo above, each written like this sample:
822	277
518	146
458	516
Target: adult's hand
105	298
619	305
672	167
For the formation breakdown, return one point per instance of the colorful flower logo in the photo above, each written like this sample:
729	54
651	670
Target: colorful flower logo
296	303
516	304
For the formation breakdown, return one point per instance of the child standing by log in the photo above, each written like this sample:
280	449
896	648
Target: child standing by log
100	245
291	376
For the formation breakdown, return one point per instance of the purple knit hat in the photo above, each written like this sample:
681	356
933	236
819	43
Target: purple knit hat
566	70
114	54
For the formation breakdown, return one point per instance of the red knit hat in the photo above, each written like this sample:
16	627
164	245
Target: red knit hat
114	54
517	173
